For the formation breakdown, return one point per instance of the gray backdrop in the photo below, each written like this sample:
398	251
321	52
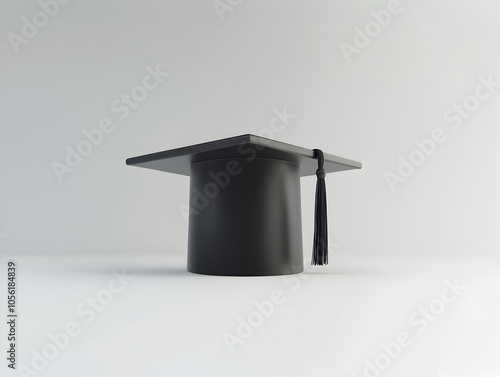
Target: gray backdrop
364	80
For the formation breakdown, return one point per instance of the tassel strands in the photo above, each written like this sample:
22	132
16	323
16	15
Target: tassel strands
320	243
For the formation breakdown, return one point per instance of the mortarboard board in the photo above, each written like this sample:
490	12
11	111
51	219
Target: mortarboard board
245	211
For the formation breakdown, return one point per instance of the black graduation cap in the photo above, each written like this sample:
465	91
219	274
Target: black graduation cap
245	211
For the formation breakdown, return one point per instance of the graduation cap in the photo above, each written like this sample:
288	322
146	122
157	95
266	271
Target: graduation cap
245	211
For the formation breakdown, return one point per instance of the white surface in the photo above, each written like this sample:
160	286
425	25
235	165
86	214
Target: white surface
169	322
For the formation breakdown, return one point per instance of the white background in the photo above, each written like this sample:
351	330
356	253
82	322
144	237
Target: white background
393	248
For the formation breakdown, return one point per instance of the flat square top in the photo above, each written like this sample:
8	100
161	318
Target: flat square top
248	147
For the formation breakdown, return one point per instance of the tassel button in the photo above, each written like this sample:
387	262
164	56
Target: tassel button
320	173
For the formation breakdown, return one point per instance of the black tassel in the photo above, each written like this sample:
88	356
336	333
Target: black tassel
320	246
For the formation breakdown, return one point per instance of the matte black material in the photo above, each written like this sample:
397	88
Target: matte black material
245	216
248	224
179	160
